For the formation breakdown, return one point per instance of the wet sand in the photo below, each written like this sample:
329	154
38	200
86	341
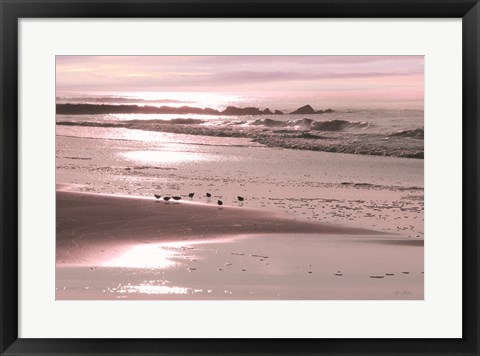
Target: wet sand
138	248
85	221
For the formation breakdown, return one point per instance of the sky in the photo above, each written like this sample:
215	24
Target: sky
334	81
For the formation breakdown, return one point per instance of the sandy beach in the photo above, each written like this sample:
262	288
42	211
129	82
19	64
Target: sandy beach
86	221
334	230
295	177
137	248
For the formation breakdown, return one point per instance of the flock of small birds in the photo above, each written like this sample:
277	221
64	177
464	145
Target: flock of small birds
167	198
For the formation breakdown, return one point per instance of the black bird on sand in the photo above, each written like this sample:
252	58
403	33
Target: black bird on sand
157	196
176	197
208	195
240	200
220	203
191	195
167	198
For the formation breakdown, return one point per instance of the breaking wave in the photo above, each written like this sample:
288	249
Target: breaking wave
338	125
417	133
304	134
309	124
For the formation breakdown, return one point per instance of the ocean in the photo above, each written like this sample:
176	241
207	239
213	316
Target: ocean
367	131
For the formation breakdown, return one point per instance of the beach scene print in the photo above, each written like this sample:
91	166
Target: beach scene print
239	177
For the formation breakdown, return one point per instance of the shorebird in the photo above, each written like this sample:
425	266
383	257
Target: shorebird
208	195
220	203
176	197
167	198
157	196
240	200
191	195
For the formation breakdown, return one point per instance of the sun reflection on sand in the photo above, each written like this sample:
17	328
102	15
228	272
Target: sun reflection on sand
146	256
165	157
151	289
161	255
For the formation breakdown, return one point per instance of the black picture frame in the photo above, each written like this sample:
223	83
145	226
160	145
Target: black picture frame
13	10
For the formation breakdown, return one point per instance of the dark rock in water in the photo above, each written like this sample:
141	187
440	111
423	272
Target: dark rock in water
307	109
95	109
232	110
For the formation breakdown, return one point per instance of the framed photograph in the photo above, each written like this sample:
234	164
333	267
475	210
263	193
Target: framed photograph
206	177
